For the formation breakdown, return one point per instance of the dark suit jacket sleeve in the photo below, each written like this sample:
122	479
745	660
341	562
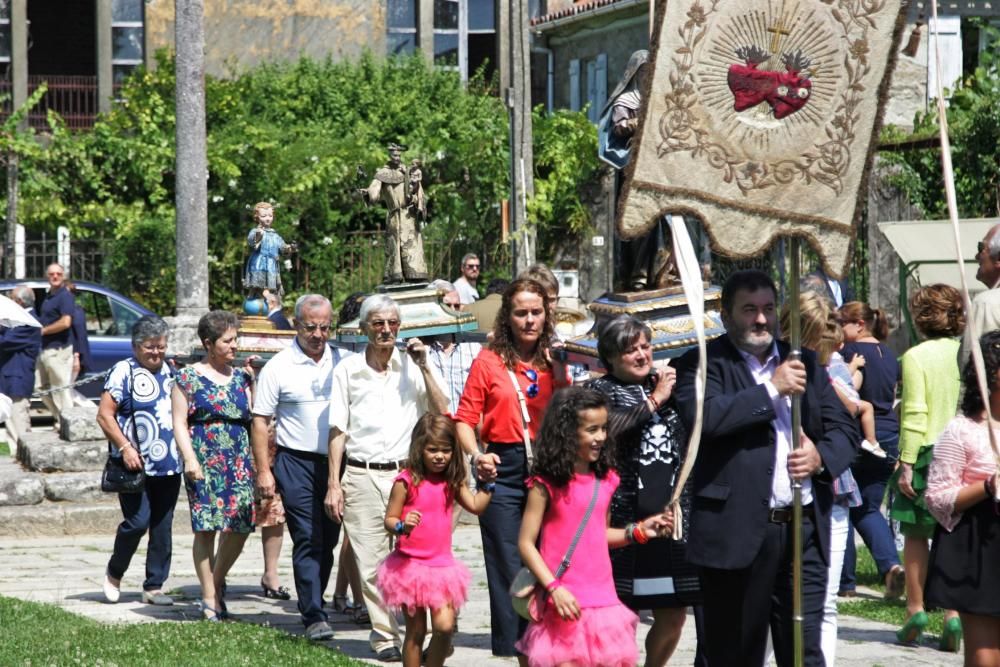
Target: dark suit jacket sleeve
21	339
726	412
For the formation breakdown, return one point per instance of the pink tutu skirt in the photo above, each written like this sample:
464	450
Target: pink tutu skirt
601	637
406	582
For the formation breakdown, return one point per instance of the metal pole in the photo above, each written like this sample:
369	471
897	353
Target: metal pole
795	339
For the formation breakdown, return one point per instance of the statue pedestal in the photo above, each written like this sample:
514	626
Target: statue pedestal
257	335
420	314
666	313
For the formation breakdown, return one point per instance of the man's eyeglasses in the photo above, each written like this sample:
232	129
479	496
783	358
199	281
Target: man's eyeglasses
381	324
472	266
311	328
532	375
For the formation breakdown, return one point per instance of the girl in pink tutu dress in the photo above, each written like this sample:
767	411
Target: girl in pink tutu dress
422	574
582	622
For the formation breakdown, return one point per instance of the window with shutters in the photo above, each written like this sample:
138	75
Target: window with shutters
597	86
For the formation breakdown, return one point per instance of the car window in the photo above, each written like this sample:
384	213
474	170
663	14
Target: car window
97	309
124	318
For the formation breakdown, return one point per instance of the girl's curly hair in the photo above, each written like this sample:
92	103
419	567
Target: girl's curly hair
972	405
437	429
557	442
503	336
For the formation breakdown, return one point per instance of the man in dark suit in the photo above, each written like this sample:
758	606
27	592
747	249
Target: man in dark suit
837	290
19	348
741	529
275	313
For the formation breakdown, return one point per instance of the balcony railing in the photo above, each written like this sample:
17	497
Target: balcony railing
72	97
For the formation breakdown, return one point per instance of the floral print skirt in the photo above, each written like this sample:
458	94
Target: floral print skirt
224	500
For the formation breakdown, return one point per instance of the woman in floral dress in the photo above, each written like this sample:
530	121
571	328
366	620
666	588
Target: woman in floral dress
211	406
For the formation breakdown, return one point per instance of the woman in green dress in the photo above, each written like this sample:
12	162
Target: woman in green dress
931	386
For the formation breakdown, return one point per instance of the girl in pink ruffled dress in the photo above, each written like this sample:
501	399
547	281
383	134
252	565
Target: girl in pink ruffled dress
422	574
582	621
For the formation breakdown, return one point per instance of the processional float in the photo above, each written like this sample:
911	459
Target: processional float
760	120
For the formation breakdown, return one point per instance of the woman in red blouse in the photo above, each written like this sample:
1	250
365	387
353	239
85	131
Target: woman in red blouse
520	354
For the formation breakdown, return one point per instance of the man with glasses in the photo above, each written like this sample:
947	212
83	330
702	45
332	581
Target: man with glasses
376	401
295	388
55	363
984	314
466	283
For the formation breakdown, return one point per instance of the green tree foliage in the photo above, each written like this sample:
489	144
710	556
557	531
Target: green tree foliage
974	130
295	134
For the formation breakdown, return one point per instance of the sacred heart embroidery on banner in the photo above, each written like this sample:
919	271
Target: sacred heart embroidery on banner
785	92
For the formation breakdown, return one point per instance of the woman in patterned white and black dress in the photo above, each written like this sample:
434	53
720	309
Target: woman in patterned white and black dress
651	443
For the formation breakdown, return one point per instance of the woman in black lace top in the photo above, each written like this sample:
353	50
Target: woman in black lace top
651	443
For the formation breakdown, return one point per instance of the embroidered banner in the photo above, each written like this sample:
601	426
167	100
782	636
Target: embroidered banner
761	120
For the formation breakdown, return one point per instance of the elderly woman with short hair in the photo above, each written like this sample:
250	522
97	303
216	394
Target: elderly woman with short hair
134	414
651	444
211	403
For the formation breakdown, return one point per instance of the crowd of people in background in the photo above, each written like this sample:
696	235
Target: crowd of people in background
571	473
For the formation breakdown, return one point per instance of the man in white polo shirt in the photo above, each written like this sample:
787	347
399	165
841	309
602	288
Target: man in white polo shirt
377	399
295	388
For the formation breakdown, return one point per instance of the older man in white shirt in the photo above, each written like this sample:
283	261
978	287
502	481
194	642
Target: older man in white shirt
295	388
377	399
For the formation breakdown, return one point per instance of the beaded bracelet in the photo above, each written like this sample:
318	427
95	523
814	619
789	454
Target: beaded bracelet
639	535
553	585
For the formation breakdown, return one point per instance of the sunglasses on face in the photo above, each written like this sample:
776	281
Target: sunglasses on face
532	376
473	267
310	328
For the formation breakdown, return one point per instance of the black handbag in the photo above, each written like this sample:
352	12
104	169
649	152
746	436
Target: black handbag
116	478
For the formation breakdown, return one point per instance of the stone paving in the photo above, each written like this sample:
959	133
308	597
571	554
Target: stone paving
67	571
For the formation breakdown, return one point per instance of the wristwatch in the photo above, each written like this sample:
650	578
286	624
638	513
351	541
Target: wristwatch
488	487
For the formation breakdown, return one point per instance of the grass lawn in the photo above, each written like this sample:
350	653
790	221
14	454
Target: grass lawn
42	634
891	612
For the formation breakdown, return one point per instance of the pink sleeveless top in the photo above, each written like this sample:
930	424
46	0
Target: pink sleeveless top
589	576
430	542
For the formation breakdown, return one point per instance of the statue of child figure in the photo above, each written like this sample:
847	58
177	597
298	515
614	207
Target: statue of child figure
266	246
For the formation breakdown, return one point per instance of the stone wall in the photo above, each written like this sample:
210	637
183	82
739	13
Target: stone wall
617	35
242	33
908	90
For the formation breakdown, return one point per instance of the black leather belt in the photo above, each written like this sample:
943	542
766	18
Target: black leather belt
394	465
785	514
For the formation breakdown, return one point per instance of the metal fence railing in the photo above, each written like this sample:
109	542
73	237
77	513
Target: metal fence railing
85	257
74	98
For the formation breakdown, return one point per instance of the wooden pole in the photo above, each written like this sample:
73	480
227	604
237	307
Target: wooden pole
795	340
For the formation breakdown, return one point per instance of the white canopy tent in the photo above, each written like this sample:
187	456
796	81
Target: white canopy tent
926	249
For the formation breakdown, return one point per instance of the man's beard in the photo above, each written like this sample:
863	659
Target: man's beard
753	341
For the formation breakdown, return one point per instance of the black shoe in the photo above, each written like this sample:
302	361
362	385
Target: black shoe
279	593
390	654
